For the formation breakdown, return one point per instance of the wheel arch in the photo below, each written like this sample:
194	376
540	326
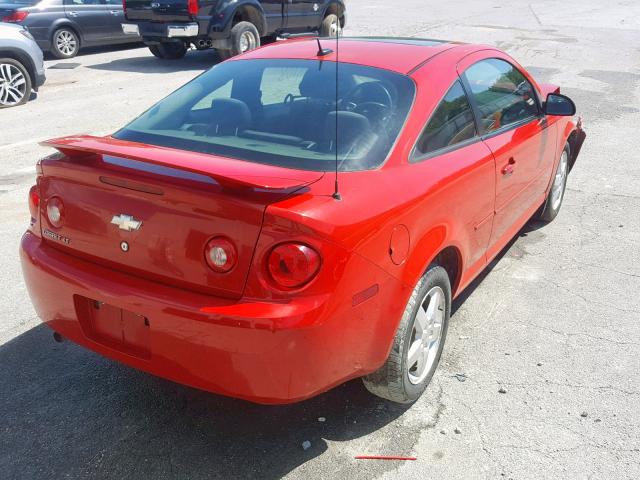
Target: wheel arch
436	247
249	12
337	8
20	56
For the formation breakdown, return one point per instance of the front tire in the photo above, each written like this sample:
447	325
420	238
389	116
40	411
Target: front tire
244	37
418	343
169	51
549	211
65	43
15	83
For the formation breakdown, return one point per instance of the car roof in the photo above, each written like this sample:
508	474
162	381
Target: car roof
401	55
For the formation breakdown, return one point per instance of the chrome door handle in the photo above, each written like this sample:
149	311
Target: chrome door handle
114	12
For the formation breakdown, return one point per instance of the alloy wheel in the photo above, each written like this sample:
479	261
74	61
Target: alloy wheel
559	182
66	42
13	85
426	335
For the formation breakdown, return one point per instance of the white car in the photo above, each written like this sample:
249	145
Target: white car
21	66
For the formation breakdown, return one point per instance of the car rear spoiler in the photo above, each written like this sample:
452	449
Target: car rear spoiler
225	171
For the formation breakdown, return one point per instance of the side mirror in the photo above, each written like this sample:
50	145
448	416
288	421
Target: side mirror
560	105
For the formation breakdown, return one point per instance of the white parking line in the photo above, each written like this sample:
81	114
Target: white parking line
24	142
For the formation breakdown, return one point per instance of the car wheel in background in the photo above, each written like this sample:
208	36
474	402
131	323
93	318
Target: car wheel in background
169	50
418	342
330	26
65	44
15	83
244	37
552	204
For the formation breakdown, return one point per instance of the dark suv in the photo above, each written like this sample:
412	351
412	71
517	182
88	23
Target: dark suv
169	27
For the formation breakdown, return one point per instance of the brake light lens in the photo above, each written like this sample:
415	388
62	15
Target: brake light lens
192	7
34	201
14	17
292	265
55	211
220	254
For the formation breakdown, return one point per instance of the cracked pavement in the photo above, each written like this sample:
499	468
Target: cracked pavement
553	321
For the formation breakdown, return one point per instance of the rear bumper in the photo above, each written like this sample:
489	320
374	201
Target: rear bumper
262	352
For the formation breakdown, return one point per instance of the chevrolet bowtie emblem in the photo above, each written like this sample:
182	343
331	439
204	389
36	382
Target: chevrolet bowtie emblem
126	222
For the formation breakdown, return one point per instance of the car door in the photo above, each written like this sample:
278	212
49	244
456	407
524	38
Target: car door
450	143
91	17
274	13
512	125
303	15
116	19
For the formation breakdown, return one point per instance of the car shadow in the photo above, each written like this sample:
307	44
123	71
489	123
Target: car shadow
71	413
193	60
118	47
530	226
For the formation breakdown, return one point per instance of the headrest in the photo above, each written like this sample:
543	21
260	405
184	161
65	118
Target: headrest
229	112
354	130
319	84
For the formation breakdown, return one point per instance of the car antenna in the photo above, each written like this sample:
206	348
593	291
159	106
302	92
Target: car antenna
322	52
336	192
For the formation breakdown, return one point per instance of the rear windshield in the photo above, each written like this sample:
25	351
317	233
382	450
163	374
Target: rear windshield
284	113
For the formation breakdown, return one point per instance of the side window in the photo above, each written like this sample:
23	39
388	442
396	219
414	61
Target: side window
83	2
451	123
277	83
503	95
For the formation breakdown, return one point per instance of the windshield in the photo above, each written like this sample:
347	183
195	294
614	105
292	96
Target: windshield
283	112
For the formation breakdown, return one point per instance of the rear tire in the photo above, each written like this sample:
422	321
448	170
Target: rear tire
551	207
169	50
420	338
65	43
15	83
244	36
330	26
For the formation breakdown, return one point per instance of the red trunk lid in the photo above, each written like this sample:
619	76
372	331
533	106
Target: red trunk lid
183	199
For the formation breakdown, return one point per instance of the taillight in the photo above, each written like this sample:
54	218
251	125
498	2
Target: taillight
14	17
55	211
34	201
292	265
192	7
220	254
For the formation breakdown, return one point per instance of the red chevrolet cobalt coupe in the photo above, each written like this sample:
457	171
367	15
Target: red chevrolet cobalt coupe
267	234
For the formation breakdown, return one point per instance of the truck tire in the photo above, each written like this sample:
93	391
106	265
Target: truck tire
169	51
330	26
244	37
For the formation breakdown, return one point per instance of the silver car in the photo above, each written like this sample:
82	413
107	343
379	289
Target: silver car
21	67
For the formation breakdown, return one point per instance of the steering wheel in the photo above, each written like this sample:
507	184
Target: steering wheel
376	109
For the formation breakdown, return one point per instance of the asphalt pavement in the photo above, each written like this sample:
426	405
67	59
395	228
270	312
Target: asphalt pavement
540	373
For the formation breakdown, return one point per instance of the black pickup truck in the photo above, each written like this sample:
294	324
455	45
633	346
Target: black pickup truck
170	27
